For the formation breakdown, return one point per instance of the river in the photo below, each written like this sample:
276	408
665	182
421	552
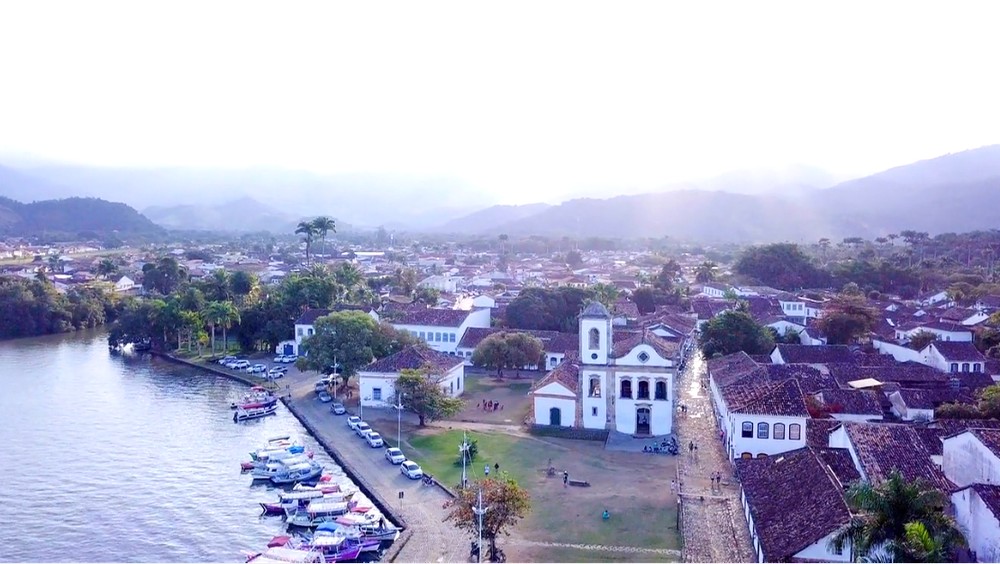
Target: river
126	458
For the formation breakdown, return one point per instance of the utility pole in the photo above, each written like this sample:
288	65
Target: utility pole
479	510
399	420
464	451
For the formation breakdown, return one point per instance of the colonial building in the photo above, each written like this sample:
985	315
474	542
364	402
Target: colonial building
621	382
377	381
305	326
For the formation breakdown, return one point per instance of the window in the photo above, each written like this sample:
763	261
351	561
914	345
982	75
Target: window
643	356
747	430
437	337
377	394
965	367
954	367
762	430
593	411
595	387
451	337
423	336
627	389
595	339
643	390
661	390
779	431
977	367
299	332
310	331
794	432
452	386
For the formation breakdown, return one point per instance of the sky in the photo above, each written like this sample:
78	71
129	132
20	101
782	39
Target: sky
524	100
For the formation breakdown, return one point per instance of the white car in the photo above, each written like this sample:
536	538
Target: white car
226	360
374	440
411	470
256	368
353	421
276	372
290	359
363	429
232	363
394	455
240	365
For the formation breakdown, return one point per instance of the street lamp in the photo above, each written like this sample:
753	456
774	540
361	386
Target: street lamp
399	420
480	511
463	450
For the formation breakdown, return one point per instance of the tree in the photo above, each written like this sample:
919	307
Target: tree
422	395
574	259
404	281
554	309
512	350
507	501
665	278
921	339
605	293
989	402
323	225
846	319
215	314
105	268
781	265
344	339
427	295
734	331
308	232
886	518
163	276
644	300
705	272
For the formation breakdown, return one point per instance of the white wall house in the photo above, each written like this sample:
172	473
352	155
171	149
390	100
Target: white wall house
626	385
977	508
953	357
124	284
768	421
969	459
305	327
377	381
441	283
441	329
898	352
972	461
555	397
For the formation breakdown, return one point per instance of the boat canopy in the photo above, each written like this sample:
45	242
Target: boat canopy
327	507
327	540
284	554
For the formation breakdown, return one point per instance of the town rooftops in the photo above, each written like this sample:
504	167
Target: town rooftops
854	402
310	316
414	357
552	341
882	448
664	348
958	351
431	317
818	431
946	326
818	354
782	399
840	462
793	500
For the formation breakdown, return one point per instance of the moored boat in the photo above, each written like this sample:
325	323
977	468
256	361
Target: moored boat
285	555
316	513
256	395
254	411
299	499
298	472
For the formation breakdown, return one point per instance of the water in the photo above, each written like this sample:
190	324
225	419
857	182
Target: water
121	458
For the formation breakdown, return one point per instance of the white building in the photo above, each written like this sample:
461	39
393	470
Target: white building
124	284
954	357
972	461
626	385
441	329
377	381
305	326
447	284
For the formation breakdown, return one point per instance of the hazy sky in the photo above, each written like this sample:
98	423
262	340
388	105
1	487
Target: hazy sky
531	98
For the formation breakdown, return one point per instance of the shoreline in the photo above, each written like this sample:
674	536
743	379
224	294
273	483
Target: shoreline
374	495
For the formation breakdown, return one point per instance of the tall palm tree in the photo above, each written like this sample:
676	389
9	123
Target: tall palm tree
324	225
215	314
231	317
705	272
887	514
308	232
105	268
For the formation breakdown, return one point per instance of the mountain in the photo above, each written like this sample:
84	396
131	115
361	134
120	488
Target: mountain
490	218
71	217
956	192
22	187
244	214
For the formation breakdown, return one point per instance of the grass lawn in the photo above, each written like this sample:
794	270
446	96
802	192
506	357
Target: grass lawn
633	487
567	554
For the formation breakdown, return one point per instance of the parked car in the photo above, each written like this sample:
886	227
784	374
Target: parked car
325	397
290	358
257	368
411	470
232	363
279	358
338	409
277	372
363	429
353	421
394	455
374	440
240	365
227	359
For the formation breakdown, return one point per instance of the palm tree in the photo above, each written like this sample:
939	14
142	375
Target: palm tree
705	272
323	225
231	317
105	268
887	516
215	313
308	232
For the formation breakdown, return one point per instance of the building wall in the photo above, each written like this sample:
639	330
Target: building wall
900	353
453	384
966	461
820	551
600	354
661	412
738	444
601	419
543	405
978	524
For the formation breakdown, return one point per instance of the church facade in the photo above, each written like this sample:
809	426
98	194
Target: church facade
623	382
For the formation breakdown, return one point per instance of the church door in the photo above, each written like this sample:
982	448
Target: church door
642	421
555	416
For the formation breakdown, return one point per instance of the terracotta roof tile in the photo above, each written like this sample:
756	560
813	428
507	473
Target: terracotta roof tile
666	349
567	374
818	354
854	402
955	351
990	494
840	462
989	437
793	500
430	317
818	432
415	357
882	448
783	399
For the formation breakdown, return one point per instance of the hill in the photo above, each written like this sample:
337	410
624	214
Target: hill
244	214
71	217
490	218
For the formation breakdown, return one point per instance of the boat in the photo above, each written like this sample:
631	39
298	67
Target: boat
316	513
298	472
261	458
272	468
290	501
372	529
285	555
334	546
244	413
256	395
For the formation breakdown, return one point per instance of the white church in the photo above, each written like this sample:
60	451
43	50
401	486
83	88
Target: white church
621	382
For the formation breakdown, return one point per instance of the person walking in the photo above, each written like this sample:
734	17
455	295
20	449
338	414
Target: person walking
565	478
486	470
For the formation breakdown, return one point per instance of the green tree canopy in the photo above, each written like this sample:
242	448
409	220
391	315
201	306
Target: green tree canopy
554	309
847	318
420	394
512	350
734	331
508	503
781	265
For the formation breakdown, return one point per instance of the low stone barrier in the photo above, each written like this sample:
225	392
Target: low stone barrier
569	432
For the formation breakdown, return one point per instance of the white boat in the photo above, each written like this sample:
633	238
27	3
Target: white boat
299	472
346	488
274	467
256	395
316	513
244	413
282	555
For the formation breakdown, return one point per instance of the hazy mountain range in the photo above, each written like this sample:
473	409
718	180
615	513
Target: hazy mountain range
956	192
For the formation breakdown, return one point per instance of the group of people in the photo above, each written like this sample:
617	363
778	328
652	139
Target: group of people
490	405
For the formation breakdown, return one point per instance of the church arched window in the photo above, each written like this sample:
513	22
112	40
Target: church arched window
595	339
595	387
661	390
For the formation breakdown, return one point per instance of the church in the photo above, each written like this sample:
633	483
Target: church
622	382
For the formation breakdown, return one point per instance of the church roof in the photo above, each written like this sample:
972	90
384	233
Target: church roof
566	374
595	309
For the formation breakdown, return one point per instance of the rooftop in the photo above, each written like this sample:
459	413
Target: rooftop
415	357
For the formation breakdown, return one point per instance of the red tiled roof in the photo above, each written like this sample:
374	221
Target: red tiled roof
664	348
957	351
783	399
990	494
415	357
818	354
989	437
882	448
854	402
840	462
430	317
793	500
567	374
818	432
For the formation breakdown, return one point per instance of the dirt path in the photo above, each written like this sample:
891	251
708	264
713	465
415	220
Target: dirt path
713	526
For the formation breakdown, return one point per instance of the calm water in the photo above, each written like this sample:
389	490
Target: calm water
126	458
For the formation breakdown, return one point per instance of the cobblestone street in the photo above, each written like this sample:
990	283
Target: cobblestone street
712	521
